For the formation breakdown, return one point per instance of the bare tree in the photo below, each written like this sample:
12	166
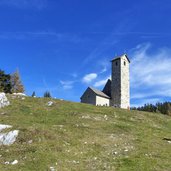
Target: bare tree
17	86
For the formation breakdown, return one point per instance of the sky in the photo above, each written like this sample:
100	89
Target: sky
64	46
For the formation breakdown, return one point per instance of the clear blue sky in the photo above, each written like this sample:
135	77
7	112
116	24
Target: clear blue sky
64	46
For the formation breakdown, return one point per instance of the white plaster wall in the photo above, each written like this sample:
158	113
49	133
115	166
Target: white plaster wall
101	101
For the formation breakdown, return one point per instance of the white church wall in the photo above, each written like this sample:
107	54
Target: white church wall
101	101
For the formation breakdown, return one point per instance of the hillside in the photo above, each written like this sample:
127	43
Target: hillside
73	136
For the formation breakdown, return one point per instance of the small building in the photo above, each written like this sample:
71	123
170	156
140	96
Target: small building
116	92
95	97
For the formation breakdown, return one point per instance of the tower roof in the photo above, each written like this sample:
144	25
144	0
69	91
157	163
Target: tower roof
119	57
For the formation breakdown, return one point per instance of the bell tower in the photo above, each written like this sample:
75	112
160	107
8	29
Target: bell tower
120	87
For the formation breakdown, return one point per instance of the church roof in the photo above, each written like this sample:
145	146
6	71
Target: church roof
120	57
99	93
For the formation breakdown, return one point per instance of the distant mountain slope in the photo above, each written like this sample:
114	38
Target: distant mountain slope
73	136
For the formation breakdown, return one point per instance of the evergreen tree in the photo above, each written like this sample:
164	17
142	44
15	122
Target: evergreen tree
5	84
17	86
169	109
47	94
34	94
164	108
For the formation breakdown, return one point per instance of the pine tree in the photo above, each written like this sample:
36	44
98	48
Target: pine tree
169	109
34	94
5	84
17	86
47	94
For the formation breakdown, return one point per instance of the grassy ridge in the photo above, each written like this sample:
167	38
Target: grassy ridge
73	136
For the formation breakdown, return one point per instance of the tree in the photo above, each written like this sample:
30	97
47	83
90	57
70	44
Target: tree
5	84
169	109
164	108
17	86
34	94
47	94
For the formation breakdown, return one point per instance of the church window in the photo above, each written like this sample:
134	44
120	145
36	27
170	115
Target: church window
124	63
116	63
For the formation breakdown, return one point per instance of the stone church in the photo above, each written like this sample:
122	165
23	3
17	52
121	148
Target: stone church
116	92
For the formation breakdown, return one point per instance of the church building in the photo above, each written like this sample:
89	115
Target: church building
116	92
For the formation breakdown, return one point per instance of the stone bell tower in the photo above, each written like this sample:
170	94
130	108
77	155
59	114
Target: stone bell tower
120	87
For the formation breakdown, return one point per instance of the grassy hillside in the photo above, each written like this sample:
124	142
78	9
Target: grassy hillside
73	136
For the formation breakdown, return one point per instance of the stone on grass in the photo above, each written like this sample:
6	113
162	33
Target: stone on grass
2	127
105	117
50	103
3	113
30	142
7	163
14	162
3	100
115	153
19	94
7	138
52	169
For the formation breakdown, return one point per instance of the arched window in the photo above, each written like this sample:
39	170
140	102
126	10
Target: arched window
124	63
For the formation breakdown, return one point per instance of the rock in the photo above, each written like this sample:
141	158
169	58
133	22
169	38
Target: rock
52	169
167	139
19	94
105	117
75	162
2	127
7	163
50	103
14	162
3	113
115	153
9	137
86	117
30	142
3	100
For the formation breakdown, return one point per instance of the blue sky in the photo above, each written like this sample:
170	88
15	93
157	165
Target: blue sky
64	46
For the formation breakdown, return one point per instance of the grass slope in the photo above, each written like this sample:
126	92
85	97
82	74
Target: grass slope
73	136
